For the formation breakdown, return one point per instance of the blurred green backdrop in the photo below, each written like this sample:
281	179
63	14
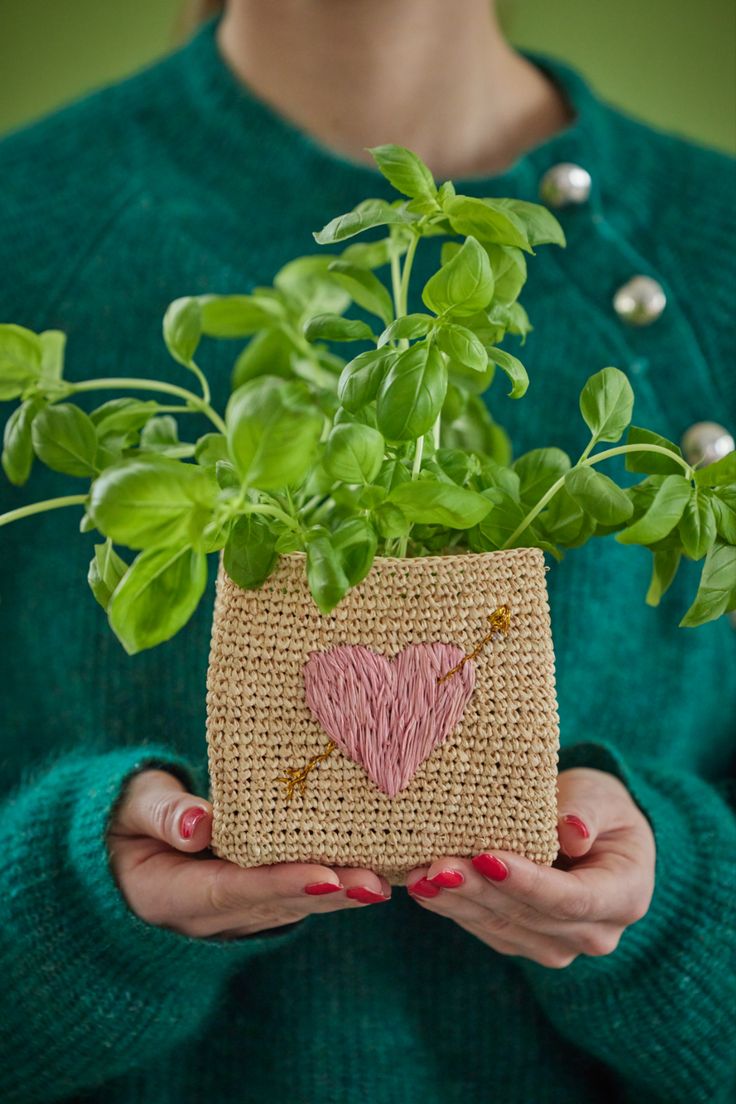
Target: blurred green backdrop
671	62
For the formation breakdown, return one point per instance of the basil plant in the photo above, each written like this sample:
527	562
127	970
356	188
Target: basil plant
392	452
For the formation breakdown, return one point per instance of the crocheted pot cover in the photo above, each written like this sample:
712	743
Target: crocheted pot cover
487	781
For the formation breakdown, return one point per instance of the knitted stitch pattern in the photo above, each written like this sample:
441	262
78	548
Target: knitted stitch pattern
180	182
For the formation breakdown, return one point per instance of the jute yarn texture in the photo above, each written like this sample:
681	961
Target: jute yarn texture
491	784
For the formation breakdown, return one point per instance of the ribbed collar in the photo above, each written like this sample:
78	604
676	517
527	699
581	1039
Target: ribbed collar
240	127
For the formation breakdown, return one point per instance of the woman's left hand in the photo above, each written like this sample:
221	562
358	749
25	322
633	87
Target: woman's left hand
603	881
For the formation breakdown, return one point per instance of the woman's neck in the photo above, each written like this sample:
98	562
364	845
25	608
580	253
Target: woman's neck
435	75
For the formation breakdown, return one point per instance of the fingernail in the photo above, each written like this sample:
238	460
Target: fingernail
365	896
491	867
318	888
575	822
189	821
423	888
448	879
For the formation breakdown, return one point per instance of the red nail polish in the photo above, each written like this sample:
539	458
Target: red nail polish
448	879
491	867
318	888
423	888
365	896
575	822
189	821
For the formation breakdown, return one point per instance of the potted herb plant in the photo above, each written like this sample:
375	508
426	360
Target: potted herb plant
381	681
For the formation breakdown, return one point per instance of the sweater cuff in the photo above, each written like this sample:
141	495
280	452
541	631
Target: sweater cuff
163	956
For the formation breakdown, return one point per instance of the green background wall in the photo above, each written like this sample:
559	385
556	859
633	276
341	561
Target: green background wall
671	62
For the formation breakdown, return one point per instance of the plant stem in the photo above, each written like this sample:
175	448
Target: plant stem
405	277
42	507
125	384
395	274
271	511
620	450
203	383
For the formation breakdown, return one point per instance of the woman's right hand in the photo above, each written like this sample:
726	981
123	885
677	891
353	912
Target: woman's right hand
153	842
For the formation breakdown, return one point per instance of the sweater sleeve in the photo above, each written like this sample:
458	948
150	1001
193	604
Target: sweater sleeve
90	991
659	1011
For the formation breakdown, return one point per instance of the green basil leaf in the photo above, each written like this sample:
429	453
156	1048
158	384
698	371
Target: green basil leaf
662	515
606	403
268	353
106	569
159	433
210	448
250	553
697	526
462	346
464	285
355	542
652	463
159	593
226	476
513	368
565	520
361	377
599	496
373	254
407	327
364	288
392	474
538	470
724	509
65	439
17	456
541	226
472	428
509	271
509	318
183	329
333	327
273	432
405	171
719	474
503	520
664	568
308	283
390	521
238	315
434	503
411	395
122	418
369	213
485	220
20	360
327	580
53	344
717	590
152	501
354	453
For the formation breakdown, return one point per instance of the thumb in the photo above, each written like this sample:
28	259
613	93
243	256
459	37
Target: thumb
578	811
155	804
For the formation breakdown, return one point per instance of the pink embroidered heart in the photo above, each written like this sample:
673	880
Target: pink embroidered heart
388	715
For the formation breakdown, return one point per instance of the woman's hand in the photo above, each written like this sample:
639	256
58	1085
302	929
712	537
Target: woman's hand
153	843
603	882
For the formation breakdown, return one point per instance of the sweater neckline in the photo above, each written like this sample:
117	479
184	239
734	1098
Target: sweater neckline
240	126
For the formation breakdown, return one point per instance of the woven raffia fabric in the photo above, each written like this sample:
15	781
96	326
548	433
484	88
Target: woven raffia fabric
491	784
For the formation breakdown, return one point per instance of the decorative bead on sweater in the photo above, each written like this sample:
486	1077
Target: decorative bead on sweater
178	181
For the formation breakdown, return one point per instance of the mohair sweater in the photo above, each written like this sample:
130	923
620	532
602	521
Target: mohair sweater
179	181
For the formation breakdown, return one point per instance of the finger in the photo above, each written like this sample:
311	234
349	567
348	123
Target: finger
590	803
589	894
155	804
363	887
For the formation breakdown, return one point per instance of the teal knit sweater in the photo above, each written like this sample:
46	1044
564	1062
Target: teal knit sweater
178	181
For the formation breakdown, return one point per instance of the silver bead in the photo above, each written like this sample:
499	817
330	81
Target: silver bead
565	184
640	301
706	442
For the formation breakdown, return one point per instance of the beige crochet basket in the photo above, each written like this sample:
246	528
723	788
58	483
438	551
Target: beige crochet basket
490	784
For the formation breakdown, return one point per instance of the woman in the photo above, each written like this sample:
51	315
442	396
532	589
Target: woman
138	967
